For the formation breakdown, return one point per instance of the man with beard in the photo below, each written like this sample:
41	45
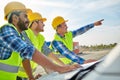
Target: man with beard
63	40
13	46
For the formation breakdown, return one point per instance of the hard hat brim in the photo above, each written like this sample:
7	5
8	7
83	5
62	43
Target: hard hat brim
26	10
44	19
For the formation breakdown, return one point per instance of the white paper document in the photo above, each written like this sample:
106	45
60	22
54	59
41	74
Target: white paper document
67	75
57	76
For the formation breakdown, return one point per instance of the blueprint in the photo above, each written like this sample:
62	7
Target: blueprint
67	75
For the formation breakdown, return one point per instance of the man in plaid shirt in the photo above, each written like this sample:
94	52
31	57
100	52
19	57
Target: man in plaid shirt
63	40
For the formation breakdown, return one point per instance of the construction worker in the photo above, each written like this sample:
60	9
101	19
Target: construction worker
33	36
63	40
13	46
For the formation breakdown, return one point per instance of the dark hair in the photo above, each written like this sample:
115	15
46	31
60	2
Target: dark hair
11	14
30	25
58	26
33	22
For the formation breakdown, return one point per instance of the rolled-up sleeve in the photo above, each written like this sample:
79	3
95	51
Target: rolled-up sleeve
26	51
45	49
13	41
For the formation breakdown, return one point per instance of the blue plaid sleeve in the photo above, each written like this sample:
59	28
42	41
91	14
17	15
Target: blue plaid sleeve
12	41
82	30
63	50
45	49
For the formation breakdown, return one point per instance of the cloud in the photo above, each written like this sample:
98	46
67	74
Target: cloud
56	4
96	4
48	3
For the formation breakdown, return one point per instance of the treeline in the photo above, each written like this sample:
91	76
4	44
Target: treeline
98	47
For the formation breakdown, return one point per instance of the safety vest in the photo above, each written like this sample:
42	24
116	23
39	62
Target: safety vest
9	67
68	42
38	42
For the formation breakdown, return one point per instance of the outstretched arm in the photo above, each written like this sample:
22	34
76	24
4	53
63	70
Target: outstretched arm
85	28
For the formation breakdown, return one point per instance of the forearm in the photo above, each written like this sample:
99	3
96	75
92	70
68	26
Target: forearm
63	50
27	67
72	56
42	60
56	59
82	30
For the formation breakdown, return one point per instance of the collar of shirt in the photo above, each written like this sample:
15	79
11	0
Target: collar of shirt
60	35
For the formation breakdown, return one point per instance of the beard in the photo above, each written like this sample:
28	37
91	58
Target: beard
65	30
41	30
22	25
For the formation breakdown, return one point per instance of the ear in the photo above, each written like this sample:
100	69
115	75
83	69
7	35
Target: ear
15	18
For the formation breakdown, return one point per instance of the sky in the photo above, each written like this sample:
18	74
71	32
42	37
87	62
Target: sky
78	13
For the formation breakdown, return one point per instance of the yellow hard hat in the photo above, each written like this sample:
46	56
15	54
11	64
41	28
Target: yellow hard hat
29	11
35	16
12	6
57	21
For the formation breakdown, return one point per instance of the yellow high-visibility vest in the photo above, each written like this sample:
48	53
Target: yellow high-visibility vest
68	42
38	42
9	67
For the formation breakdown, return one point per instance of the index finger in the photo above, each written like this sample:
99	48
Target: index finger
102	20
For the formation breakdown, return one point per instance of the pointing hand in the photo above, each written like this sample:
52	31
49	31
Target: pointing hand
98	22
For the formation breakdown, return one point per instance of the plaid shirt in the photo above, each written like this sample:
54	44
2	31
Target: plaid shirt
11	41
62	49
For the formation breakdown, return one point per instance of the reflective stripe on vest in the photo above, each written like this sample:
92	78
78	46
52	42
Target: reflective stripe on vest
8	68
23	70
68	42
22	73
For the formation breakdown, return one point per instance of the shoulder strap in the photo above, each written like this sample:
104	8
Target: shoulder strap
26	38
